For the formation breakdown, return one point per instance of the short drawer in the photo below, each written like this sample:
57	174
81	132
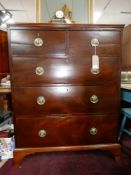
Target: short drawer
109	43
66	99
65	130
23	42
76	70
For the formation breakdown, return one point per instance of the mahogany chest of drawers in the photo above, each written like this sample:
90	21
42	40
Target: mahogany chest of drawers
65	87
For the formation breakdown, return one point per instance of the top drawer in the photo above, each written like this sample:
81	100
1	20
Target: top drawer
109	42
64	42
26	42
85	37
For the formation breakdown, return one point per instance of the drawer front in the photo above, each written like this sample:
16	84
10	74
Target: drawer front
63	70
65	131
65	42
66	99
109	43
23	42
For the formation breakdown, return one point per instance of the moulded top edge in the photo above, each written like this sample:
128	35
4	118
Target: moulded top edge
64	26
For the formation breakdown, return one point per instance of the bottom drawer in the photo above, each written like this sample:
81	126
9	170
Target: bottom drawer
65	130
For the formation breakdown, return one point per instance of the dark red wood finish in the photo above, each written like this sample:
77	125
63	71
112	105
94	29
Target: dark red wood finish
4	59
66	130
67	85
66	99
57	70
65	43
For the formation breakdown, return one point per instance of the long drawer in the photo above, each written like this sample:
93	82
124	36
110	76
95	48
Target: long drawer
65	130
76	70
64	99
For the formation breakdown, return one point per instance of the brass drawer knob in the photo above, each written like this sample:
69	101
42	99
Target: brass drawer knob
40	100
95	71
94	99
95	42
38	42
93	131
39	70
42	133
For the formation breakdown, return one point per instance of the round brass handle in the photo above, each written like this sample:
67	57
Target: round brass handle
94	99
95	42
39	70
95	71
42	133
40	100
93	131
38	42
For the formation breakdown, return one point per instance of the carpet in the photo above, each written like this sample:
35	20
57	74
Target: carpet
73	163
